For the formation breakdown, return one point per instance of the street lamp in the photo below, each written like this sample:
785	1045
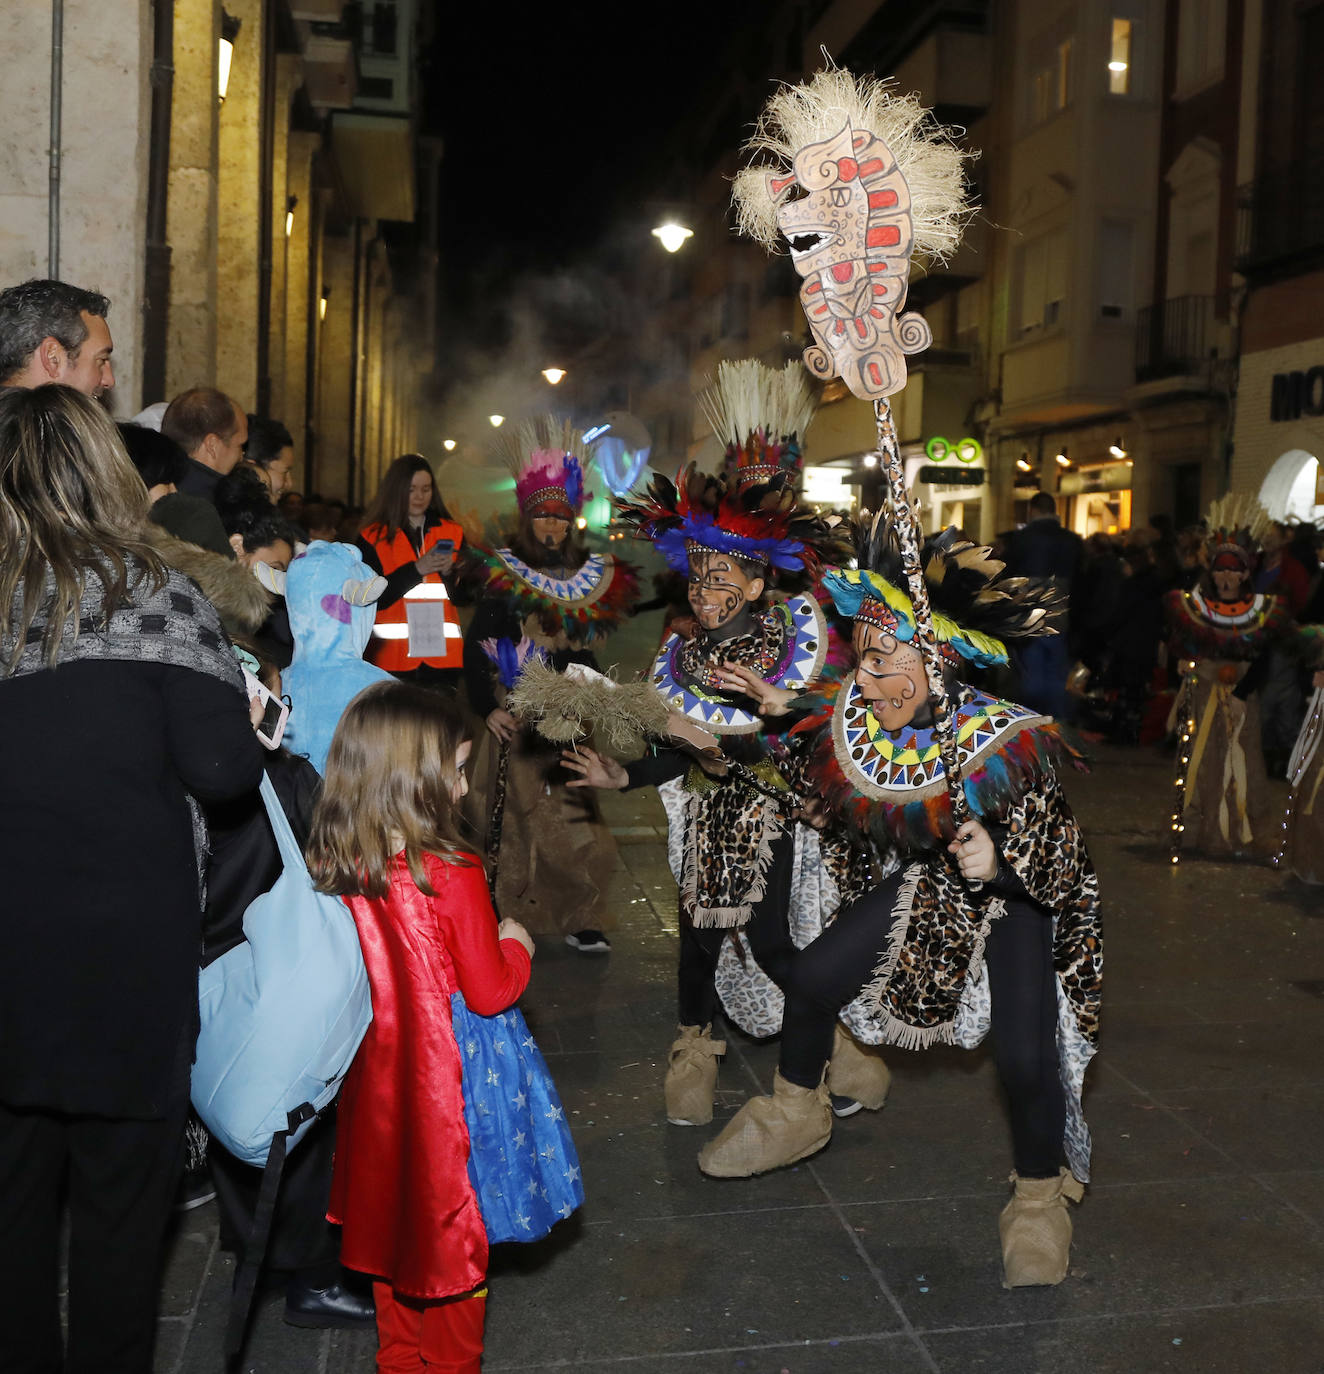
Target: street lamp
448	445
672	235
230	27
1116	449
496	421
1062	457
289	214
553	374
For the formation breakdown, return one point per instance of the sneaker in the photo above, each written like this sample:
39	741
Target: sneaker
589	942
845	1106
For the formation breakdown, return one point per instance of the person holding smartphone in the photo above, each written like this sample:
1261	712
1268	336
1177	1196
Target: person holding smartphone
409	538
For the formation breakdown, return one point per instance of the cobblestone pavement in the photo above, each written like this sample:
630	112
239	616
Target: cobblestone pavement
1199	1246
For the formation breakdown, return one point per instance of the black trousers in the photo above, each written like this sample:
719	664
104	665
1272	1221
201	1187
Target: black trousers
1019	958
122	1180
303	1245
766	934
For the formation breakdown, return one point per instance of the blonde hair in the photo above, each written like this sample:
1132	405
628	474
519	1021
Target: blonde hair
389	773
71	506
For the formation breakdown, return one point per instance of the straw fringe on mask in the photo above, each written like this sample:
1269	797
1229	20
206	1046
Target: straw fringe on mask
925	154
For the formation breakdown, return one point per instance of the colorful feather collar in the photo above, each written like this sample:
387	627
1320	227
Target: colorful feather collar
590	603
794	635
894	788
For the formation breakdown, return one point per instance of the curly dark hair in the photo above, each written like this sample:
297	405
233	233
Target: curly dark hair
244	505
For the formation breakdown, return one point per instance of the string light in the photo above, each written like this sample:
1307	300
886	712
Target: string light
1187	706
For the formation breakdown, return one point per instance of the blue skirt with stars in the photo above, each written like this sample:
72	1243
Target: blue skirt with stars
522	1161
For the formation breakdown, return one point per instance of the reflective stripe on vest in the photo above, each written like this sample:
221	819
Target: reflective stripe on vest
389	645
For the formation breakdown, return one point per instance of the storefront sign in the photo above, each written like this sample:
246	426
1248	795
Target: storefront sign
1297	393
1112	477
963	450
951	477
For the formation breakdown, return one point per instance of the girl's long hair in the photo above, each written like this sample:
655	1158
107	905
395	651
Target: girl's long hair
389	773
72	506
390	507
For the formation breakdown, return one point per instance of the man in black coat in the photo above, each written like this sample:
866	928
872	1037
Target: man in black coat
1042	548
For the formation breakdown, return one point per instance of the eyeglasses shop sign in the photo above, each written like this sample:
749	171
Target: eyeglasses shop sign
1296	394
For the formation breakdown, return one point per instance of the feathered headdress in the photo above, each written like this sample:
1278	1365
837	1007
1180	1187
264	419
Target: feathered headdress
975	608
761	522
1237	525
547	457
760	415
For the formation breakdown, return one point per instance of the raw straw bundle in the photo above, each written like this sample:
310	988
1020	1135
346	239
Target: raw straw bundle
566	707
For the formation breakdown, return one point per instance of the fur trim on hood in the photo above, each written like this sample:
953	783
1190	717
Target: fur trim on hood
242	602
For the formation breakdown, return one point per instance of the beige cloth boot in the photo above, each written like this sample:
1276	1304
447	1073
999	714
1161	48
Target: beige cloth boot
692	1076
857	1071
768	1132
1036	1230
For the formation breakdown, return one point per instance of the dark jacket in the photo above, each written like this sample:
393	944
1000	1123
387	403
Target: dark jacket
245	861
100	926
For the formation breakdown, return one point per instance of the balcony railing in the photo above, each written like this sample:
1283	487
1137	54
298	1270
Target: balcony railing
1174	338
1280	221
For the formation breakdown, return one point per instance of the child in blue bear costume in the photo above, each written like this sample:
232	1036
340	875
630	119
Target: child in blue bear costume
329	594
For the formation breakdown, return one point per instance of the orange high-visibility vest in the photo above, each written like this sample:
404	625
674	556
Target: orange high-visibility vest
389	646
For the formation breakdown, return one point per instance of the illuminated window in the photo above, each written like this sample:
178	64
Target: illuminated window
1119	61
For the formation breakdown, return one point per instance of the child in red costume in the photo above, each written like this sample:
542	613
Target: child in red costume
386	836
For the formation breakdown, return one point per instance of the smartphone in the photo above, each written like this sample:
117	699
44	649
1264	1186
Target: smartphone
275	713
444	546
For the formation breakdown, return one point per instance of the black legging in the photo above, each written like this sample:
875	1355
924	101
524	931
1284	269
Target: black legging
766	934
1019	956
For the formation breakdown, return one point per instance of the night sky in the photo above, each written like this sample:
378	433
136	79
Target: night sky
554	125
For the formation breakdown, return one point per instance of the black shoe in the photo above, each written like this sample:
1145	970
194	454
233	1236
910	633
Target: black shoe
335	1305
845	1106
589	942
195	1189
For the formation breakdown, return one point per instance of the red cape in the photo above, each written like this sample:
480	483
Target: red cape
401	1186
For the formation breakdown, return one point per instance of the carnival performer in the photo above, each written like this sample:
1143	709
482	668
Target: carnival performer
409	538
1220	634
732	815
544	593
430	1159
1301	844
992	923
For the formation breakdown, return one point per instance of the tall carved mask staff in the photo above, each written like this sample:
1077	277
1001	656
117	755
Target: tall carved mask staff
878	180
851	237
860	179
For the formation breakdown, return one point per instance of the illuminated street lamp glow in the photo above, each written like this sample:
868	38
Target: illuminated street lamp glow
553	374
581	522
870	460
1063	459
672	235
496	421
1023	465
448	445
1116	449
1117	66
225	57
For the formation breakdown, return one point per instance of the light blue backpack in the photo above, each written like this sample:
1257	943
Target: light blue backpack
282	1015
